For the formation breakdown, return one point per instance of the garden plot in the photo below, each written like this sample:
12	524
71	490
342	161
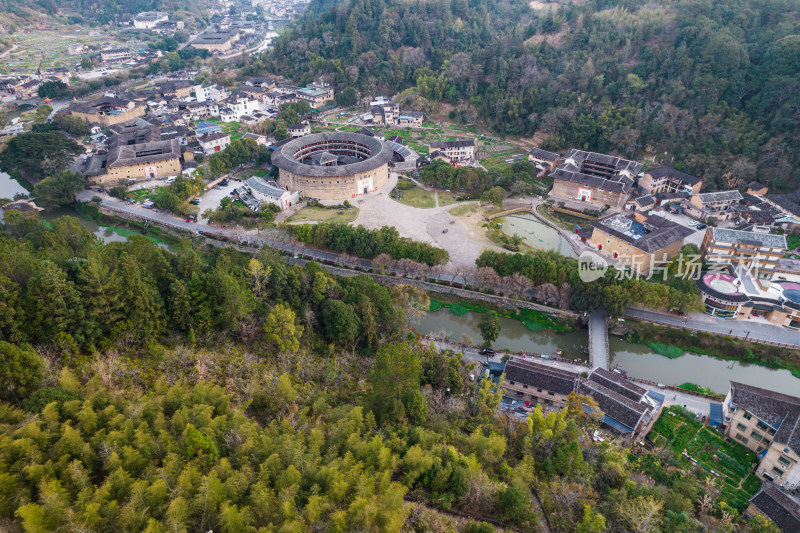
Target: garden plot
731	464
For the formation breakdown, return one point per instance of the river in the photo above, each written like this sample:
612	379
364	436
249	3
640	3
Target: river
636	359
535	234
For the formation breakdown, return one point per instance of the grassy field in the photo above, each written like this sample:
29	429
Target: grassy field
413	195
144	194
320	214
732	463
503	160
793	241
463	210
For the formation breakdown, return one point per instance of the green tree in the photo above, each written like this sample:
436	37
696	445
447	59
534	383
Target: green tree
20	371
200	445
494	196
490	328
281	330
280	132
59	189
340	323
592	521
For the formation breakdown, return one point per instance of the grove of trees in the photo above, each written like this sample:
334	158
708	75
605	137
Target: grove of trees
712	84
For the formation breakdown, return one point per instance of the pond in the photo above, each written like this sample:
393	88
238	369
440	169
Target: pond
535	234
103	233
636	359
9	186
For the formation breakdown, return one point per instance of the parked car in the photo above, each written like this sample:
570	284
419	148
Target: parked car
487	351
701	226
195	201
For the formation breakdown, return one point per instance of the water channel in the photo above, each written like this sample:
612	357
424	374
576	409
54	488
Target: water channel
637	359
103	233
535	234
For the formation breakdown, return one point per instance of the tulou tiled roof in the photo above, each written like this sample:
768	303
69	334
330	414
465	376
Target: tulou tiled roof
662	171
615	405
618	384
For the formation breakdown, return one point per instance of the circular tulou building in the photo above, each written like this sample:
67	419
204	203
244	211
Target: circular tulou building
333	165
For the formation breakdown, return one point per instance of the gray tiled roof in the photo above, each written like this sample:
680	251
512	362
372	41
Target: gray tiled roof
267	188
541	376
618	383
144	153
646	200
662	171
780	411
615	405
748	237
543	154
789	201
778	506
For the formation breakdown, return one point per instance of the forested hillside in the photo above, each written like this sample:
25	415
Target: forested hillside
150	390
102	11
713	84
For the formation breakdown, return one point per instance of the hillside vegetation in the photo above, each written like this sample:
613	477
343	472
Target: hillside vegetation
713	84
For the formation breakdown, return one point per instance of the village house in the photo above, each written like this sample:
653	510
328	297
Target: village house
298	130
644	242
768	423
720	205
458	153
594	178
665	179
411	118
757	188
776	505
114	55
384	111
544	160
214	142
535	383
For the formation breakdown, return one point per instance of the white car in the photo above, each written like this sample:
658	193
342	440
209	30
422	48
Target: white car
693	223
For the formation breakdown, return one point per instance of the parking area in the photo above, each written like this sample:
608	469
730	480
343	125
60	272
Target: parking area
695	238
213	196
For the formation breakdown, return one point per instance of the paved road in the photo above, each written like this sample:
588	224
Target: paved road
754	330
598	339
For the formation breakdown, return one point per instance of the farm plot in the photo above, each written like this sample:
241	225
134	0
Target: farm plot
731	464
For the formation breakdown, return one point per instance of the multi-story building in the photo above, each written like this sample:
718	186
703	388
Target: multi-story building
411	118
211	91
720	205
642	241
232	109
460	153
215	41
543	159
316	96
113	55
768	423
384	111
148	20
758	253
594	178
669	180
214	142
298	130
